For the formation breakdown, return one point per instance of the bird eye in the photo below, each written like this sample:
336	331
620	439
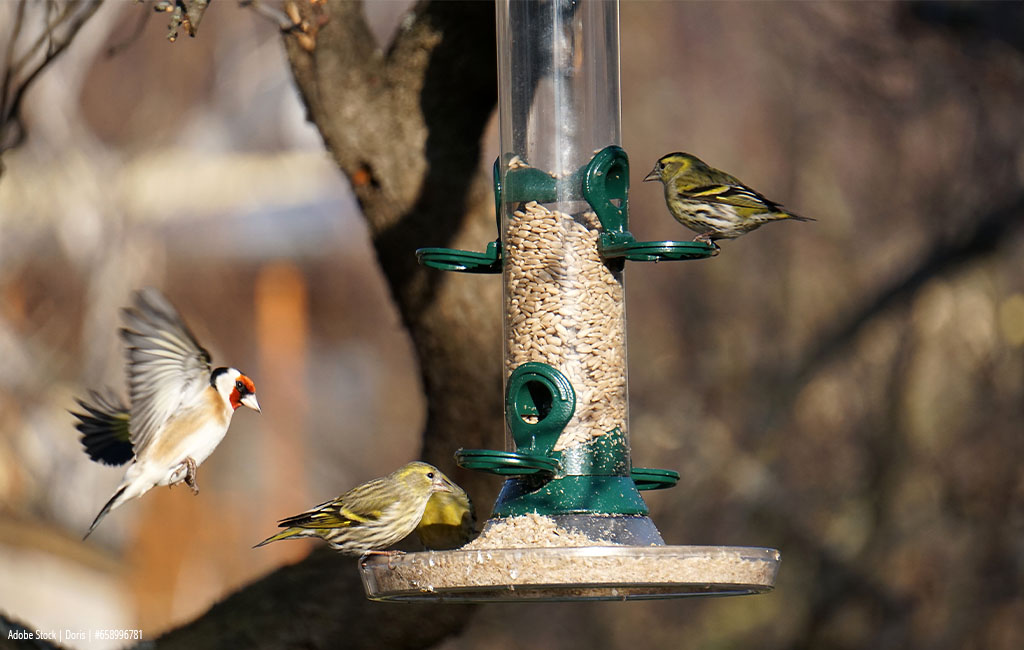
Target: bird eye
240	386
430	475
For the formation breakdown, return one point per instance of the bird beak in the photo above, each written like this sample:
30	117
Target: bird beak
250	401
443	485
653	176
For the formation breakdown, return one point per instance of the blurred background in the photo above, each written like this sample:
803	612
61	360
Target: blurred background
849	391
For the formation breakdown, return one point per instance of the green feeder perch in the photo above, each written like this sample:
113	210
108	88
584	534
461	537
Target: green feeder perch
570	523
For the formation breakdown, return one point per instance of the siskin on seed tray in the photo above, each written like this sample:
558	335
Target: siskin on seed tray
372	516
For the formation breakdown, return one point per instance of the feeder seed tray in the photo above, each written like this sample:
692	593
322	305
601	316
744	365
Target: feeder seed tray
580	569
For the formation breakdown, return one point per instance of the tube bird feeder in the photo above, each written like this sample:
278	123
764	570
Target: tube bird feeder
570	523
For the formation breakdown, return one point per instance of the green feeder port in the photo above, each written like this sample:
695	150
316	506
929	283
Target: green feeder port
570	522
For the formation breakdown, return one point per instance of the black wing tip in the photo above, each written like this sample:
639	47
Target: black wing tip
294	521
104	433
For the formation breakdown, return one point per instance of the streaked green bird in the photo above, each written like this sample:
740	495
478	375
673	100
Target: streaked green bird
371	516
710	202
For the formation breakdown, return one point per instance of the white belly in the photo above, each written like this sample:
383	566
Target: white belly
198	446
191	435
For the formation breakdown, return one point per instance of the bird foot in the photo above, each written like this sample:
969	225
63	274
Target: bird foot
189	467
705	238
390	554
190	474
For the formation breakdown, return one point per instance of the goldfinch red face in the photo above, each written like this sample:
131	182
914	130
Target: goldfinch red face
236	388
243	393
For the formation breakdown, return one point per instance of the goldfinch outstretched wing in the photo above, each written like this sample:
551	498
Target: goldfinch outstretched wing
166	365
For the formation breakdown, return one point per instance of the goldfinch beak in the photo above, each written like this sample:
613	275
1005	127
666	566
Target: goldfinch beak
653	176
250	401
442	485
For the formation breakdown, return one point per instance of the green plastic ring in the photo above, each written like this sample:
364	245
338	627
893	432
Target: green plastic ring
505	463
647	478
450	259
656	251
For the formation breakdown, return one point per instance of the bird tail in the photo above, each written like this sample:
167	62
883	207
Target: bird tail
284	534
795	217
104	429
113	503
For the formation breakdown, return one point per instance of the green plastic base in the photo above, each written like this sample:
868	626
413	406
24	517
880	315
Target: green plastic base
613	495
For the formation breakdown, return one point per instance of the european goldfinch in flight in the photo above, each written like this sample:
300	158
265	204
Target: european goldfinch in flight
180	407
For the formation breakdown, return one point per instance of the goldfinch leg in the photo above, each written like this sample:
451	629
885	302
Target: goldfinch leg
190	474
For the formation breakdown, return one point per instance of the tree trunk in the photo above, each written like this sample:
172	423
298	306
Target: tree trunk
405	127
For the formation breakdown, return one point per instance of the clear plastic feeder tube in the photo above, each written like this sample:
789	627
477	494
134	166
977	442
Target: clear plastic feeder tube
558	81
558	72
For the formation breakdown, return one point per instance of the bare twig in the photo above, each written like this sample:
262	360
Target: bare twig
56	35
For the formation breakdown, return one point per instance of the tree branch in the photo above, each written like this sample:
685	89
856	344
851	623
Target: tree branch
317	603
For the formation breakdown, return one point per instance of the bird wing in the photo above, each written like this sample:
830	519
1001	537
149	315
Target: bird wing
331	514
739	196
104	429
364	504
167	368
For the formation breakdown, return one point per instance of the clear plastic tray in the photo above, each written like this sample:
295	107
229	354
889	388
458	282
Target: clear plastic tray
574	573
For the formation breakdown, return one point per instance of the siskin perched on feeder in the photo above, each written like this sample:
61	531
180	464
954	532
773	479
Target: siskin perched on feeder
710	202
371	516
449	521
180	406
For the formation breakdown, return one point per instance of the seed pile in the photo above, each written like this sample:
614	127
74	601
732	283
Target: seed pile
530	530
564	307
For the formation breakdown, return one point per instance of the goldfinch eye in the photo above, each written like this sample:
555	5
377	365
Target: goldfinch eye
430	475
240	387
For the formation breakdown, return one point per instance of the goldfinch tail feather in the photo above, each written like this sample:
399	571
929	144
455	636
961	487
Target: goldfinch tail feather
103	513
